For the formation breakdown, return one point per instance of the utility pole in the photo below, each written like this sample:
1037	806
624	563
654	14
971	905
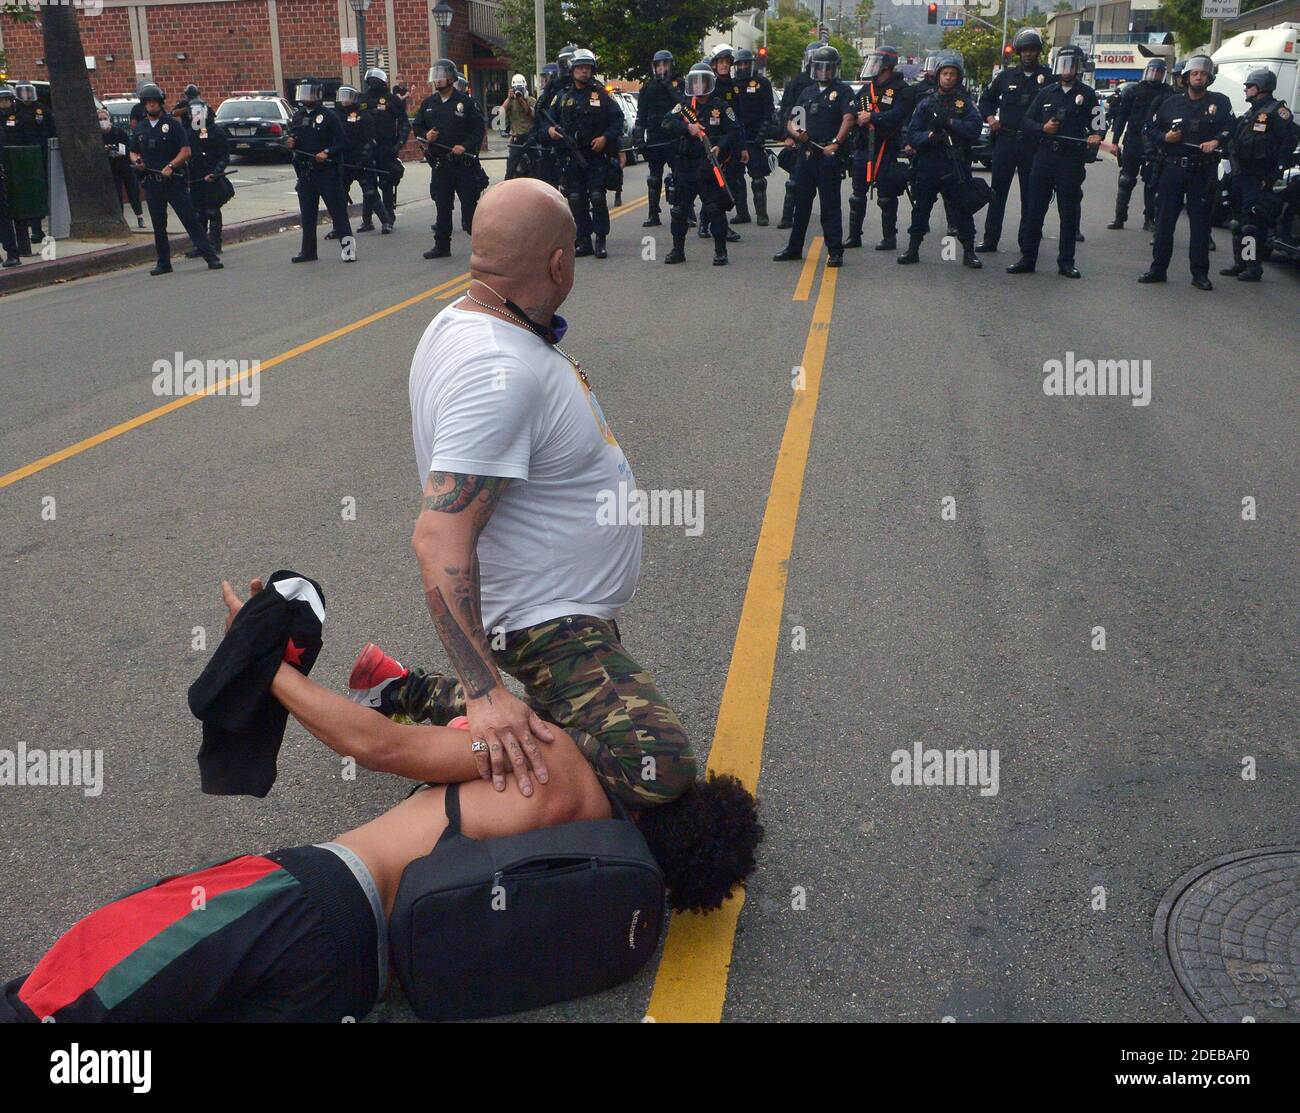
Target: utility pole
539	35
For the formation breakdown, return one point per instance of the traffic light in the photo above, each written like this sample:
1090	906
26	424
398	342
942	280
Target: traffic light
932	13
762	57
1007	51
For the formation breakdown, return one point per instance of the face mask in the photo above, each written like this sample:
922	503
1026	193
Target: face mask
105	125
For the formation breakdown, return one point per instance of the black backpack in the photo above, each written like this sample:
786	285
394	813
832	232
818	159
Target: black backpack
484	927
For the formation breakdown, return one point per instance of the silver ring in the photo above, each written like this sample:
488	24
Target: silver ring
478	746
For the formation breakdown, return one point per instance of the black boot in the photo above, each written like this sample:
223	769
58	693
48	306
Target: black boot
987	246
1121	215
742	207
678	253
584	247
720	251
1238	264
601	253
760	202
786	254
440	250
787	209
214	231
652	194
913	252
887	242
1022	265
968	256
857	214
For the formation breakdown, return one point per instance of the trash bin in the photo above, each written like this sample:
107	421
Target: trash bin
25	183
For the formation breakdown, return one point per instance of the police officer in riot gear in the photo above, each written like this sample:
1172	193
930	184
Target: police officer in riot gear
819	124
1262	135
653	103
38	129
942	129
587	128
702	122
1067	122
1133	109
757	109
358	162
884	106
159	150
392	129
720	61
1188	132
8	133
317	140
794	89
1002	105
210	147
451	127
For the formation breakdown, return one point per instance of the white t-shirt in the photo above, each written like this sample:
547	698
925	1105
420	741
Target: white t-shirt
491	398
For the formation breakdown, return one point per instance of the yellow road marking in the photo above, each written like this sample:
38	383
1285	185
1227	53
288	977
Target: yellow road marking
452	286
692	981
809	272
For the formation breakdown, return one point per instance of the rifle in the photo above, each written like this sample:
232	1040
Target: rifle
718	175
569	141
426	144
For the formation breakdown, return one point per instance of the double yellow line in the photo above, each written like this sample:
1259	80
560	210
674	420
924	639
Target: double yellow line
692	981
443	291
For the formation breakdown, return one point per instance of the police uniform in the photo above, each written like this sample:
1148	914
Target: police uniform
117	146
1262	135
548	159
794	89
757	107
693	170
13	233
392	129
653	103
942	158
1133	108
359	164
1007	97
817	174
1186	175
210	154
38	128
585	112
458	123
158	142
733	169
1058	166
315	129
876	153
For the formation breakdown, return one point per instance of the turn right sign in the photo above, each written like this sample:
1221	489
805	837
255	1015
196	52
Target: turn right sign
1220	9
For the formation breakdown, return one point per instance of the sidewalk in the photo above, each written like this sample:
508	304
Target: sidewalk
264	204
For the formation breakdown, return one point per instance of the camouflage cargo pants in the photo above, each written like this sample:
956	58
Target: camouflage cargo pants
576	673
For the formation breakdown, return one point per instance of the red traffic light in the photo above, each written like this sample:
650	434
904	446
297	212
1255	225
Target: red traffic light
932	13
762	52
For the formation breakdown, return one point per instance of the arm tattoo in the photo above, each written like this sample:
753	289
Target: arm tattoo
460	622
454	491
466	657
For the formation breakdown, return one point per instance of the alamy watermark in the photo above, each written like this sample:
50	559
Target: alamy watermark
1100	378
631	506
179	376
38	767
964	768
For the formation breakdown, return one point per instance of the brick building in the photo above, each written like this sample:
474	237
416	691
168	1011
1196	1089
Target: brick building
224	45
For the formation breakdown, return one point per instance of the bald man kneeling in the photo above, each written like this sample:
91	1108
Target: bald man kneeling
524	570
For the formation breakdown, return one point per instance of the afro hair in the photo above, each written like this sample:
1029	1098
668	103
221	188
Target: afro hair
704	841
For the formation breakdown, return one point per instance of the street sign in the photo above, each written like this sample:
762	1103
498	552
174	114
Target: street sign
1083	42
1220	9
952	22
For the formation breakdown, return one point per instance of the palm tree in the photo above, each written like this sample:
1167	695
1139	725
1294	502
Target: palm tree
92	194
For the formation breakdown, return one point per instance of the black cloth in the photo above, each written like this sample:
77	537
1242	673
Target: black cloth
243	724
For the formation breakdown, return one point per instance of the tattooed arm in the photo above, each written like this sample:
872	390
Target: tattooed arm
456	509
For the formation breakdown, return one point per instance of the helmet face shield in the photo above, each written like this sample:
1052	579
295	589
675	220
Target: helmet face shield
878	61
1202	64
1068	64
346	97
376	75
307	92
700	82
442	74
1155	71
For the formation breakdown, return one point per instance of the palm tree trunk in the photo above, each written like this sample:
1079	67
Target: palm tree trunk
92	193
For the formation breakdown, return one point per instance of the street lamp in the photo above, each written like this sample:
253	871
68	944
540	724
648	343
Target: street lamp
359	8
442	15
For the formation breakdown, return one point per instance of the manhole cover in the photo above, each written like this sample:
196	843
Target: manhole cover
1230	930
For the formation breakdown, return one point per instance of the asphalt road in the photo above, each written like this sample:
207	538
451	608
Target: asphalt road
1118	769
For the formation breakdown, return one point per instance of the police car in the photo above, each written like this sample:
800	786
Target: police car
257	122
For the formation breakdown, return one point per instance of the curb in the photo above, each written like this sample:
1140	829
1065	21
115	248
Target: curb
29	276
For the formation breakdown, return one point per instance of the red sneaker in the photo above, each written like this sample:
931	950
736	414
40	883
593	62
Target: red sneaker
372	673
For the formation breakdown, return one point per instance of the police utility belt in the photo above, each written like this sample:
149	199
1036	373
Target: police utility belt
1065	146
1190	162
